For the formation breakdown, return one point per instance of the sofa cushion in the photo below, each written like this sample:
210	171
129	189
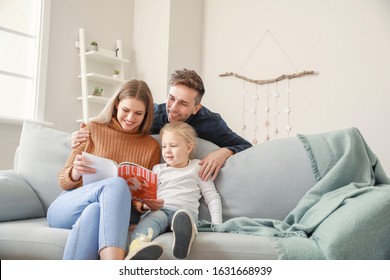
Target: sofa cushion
264	181
31	239
223	246
42	153
17	200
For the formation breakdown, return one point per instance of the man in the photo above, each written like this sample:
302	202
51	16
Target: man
184	104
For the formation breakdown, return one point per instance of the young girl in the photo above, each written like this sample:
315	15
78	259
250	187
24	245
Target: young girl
181	188
99	213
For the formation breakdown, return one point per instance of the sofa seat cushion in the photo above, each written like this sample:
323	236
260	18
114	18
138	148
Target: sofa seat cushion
31	239
224	246
17	199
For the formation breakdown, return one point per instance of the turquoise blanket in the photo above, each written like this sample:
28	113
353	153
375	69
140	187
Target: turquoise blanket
345	215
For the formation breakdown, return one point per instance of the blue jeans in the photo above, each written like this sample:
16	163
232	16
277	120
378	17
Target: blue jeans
98	214
159	221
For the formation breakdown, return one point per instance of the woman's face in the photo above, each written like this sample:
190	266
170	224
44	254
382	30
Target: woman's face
130	113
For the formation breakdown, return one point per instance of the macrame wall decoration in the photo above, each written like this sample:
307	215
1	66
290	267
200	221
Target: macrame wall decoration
269	98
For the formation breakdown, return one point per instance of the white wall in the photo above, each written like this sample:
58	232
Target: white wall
170	41
9	140
150	44
346	41
185	35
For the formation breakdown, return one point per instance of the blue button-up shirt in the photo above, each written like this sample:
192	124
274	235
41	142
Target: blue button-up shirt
208	125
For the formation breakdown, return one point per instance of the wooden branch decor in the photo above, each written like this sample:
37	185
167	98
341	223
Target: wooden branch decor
269	81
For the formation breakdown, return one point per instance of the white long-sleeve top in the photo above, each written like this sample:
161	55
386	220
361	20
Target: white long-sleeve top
181	188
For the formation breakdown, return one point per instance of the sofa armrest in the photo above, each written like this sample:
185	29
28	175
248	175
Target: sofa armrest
17	198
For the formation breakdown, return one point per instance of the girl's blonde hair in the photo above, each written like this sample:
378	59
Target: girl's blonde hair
183	129
132	89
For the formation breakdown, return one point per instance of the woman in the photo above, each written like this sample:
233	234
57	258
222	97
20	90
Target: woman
99	213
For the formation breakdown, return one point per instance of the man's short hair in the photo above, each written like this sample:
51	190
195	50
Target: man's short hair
190	79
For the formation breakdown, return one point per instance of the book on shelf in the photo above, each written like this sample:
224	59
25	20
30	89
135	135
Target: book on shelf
142	181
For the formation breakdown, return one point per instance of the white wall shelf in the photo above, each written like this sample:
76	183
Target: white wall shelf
89	79
95	99
105	56
103	79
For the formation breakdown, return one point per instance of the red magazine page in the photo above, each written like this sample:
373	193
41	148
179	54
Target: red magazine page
145	186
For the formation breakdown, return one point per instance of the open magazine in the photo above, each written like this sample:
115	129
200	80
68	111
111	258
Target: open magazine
142	181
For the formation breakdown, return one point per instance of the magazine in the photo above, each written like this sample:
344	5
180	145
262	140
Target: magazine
142	181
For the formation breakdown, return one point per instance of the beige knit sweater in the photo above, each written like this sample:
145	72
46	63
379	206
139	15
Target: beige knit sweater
113	142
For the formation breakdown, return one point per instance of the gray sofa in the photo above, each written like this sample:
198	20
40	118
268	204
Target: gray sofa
266	181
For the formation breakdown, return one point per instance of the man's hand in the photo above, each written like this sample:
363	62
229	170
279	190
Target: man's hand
213	162
79	136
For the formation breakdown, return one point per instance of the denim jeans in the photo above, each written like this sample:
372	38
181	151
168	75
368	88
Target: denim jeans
158	220
98	214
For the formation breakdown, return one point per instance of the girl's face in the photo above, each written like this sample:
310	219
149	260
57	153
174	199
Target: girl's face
175	149
130	113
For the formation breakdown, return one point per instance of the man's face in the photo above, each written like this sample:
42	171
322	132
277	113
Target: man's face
181	103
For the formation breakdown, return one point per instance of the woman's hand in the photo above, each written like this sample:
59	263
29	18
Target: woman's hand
81	165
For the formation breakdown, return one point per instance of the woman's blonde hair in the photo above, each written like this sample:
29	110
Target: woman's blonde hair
132	89
183	129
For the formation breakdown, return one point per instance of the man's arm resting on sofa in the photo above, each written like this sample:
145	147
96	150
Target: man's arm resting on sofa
17	199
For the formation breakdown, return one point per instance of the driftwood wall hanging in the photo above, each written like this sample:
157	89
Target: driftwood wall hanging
268	98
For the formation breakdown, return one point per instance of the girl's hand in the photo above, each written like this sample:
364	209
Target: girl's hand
154	204
81	165
139	206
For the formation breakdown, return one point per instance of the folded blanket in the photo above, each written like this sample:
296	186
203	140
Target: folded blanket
345	215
